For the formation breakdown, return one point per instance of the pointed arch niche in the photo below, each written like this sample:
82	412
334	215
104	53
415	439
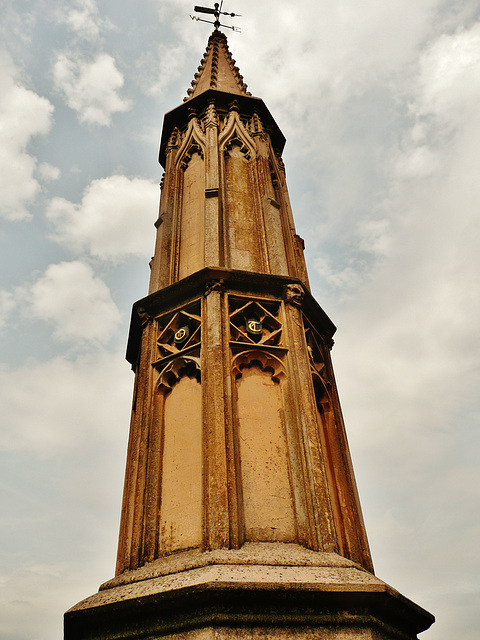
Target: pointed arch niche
191	208
266	498
241	206
180	519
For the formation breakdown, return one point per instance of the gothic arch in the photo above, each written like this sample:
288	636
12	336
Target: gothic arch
236	133
182	366
193	142
188	218
244	241
262	359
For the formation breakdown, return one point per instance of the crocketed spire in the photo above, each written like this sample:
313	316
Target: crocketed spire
217	70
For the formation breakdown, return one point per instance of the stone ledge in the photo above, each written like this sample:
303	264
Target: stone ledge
242	596
259	583
234	577
251	553
234	281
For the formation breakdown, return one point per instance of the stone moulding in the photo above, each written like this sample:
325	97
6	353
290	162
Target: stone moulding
248	106
200	283
248	589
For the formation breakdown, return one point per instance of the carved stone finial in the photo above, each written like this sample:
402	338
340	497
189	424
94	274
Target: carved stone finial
173	141
211	118
294	294
256	126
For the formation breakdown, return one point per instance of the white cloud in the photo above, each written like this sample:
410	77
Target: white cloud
7	303
83	18
344	278
420	305
157	71
56	406
23	115
48	172
77	303
114	220
449	78
332	47
91	88
65	425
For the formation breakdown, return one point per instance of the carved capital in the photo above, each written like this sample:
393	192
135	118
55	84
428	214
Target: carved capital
214	285
234	106
293	294
144	316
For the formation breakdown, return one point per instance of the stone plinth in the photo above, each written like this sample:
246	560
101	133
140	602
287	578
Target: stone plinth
263	590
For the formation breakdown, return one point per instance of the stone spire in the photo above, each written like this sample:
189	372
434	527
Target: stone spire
217	70
240	516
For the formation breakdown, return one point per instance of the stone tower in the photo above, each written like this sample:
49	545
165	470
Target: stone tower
240	515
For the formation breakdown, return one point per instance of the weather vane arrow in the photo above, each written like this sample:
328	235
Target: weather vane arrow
217	12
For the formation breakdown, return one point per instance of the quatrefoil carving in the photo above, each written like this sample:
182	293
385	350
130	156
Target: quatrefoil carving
178	331
255	322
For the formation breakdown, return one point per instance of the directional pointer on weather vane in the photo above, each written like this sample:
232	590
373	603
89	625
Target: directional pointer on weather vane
217	12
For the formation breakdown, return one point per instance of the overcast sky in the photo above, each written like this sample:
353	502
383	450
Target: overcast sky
379	102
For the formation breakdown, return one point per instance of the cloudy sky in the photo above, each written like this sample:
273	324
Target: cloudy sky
379	104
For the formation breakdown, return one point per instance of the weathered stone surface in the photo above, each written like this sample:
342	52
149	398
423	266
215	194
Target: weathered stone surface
282	589
240	516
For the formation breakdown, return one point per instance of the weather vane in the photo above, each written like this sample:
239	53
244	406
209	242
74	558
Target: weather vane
217	12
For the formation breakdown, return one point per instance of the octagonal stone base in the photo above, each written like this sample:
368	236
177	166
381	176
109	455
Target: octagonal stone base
263	590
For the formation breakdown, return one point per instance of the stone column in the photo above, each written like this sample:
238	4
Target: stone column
213	234
217	421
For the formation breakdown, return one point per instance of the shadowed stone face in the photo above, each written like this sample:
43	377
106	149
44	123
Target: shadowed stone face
181	497
265	474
